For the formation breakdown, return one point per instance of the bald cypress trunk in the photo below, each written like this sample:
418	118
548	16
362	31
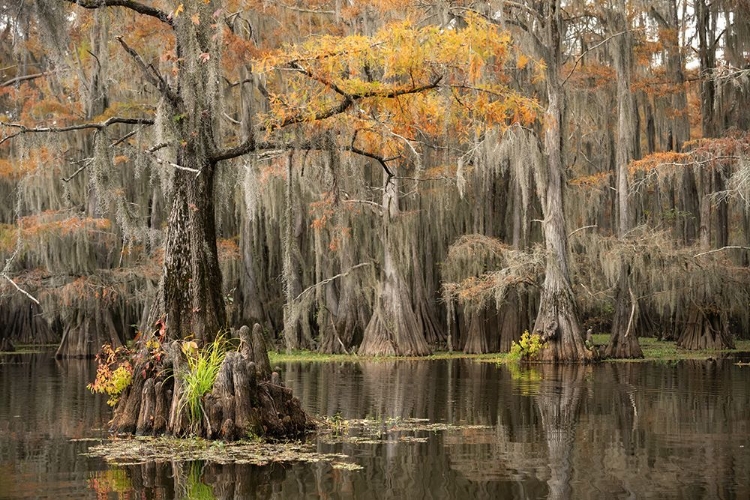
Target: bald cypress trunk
707	324
393	328
557	320
623	342
189	300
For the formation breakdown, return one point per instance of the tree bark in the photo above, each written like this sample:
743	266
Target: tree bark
89	328
557	319
393	328
623	342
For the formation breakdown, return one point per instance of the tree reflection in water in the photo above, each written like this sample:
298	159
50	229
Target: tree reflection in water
658	430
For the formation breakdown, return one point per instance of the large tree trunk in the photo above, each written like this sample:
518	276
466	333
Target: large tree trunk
87	331
707	328
297	330
393	328
426	320
476	334
353	313
706	30
23	322
557	319
190	299
513	319
623	343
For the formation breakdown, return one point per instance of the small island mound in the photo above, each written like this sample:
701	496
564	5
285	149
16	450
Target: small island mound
224	390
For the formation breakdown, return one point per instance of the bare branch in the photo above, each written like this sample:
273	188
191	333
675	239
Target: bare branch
23	129
730	247
31	297
377	207
581	229
375	157
128	4
151	74
83	166
581	56
307	11
328	280
26	78
9	262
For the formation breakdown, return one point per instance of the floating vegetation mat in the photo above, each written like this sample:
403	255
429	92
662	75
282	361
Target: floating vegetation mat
331	431
334	430
139	450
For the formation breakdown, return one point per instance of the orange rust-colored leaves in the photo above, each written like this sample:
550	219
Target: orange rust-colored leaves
658	160
228	249
60	223
598	180
704	153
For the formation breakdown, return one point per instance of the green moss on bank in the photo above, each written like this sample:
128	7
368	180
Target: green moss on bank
653	350
666	350
316	357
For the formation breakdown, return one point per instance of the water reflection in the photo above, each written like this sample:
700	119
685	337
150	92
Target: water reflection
676	430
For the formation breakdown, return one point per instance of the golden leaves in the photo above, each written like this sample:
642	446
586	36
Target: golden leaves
385	72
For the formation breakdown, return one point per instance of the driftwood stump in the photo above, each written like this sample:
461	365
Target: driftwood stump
247	398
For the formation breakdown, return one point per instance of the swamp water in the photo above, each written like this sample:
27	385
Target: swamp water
416	429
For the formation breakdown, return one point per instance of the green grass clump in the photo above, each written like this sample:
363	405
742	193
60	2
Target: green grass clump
198	380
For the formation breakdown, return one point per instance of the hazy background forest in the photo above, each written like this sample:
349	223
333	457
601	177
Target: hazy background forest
416	217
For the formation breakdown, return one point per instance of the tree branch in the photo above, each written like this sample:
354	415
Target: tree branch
8	263
580	57
153	76
128	4
348	101
730	247
23	129
328	280
33	299
26	78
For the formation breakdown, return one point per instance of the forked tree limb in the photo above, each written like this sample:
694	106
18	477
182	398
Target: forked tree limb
347	102
23	129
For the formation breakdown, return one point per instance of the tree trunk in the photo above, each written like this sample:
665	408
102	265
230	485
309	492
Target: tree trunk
707	55
426	320
23	322
557	319
707	328
190	298
87	331
476	335
513	319
297	332
623	342
393	329
353	313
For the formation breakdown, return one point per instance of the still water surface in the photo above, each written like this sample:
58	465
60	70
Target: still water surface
618	430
